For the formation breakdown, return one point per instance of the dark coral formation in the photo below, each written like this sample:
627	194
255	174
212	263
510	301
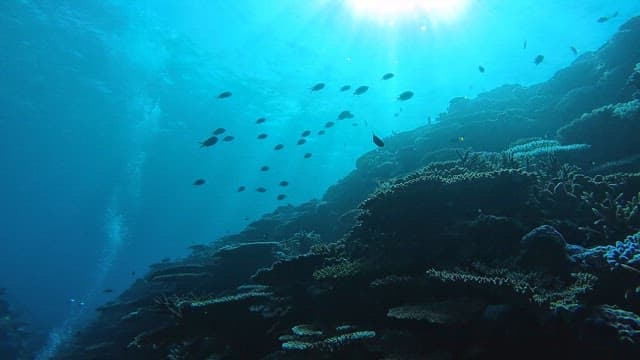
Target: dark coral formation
14	340
513	245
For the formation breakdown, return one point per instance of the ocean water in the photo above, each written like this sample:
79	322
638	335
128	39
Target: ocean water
104	104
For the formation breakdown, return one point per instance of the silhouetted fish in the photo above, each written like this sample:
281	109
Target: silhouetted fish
321	132
329	124
219	131
307	155
264	168
457	140
301	141
346	114
405	96
387	76
607	18
481	68
524	46
573	50
262	136
306	133
209	142
284	183
224	95
378	141
345	87
278	147
317	87
107	291
281	197
361	90
228	138
199	182
261	189
538	59
242	188
260	120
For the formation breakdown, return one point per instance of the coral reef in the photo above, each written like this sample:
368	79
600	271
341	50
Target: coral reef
510	244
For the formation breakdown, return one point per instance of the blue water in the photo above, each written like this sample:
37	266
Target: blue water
103	103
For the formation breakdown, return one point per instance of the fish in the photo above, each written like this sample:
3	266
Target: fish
261	189
307	155
457	140
321	132
603	19
345	87
199	182
481	68
278	147
538	59
378	141
346	114
260	120
241	188
106	291
429	120
361	90
133	273
317	87
306	133
264	168
387	76
405	96
524	46
329	124
225	94
228	138
262	136
301	141
209	142
284	183
573	50
219	131
281	197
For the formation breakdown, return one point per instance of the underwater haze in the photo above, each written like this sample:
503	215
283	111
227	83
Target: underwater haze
106	108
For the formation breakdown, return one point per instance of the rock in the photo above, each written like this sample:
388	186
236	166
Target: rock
544	249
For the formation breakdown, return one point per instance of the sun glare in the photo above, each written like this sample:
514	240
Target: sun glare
392	11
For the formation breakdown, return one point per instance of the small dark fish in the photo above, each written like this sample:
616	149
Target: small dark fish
346	114
607	18
573	50
260	120
354	124
345	87
378	141
307	155
538	60
524	46
395	114
457	140
329	124
209	142
261	189
361	90
199	182
224	95
264	168
387	76
306	133
301	141
317	87
284	183
219	131
242	188
281	197
278	147
228	138
133	273
405	96
262	136
107	291
481	68
321	132
429	120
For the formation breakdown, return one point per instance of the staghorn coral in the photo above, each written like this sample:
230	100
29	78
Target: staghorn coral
300	243
626	323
